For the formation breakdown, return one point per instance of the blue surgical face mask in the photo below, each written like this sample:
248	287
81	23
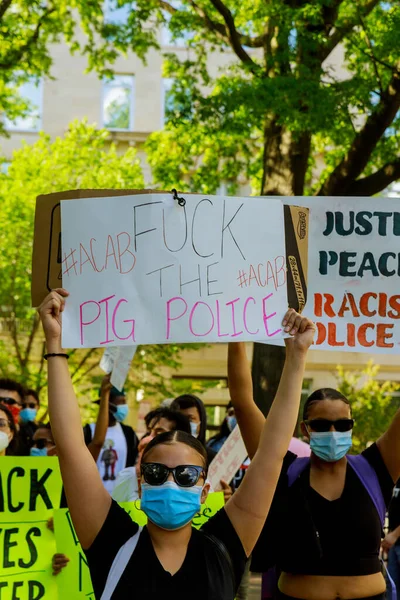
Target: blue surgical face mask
38	451
28	414
231	421
330	446
121	413
169	505
194	429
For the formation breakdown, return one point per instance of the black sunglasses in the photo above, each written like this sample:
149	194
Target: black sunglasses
28	405
184	475
320	425
9	401
41	443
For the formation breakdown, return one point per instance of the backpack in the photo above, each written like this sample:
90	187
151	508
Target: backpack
368	477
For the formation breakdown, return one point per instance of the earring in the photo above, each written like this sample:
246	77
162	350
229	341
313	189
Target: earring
136	506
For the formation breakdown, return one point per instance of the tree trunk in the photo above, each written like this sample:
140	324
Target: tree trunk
285	166
266	372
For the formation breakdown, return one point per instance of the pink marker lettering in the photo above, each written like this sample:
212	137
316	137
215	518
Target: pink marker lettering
93	260
85	323
169	318
219	321
126	250
107	340
232	303
245	316
192	316
270	316
132	332
109	253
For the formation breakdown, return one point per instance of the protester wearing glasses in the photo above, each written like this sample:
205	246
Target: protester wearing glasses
8	433
323	532
12	394
168	559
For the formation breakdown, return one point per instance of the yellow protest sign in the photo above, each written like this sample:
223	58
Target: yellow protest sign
74	581
27	548
29	486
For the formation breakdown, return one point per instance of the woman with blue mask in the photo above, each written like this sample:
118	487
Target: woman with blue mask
323	532
112	443
168	558
43	442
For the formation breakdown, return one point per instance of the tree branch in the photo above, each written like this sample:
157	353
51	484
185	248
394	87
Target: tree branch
341	32
4	6
18	54
375	183
233	34
82	362
354	163
31	337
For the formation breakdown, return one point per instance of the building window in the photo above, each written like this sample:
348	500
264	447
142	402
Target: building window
32	92
118	96
115	14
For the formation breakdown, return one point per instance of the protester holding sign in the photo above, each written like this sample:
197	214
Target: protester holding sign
322	501
112	443
171	560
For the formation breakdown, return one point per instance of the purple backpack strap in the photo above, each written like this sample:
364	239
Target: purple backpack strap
368	477
296	469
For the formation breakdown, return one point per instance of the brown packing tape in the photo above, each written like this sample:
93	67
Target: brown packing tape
46	256
296	234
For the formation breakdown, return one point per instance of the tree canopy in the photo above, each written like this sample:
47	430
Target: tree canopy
83	158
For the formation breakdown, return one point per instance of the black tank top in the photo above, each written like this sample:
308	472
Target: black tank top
307	534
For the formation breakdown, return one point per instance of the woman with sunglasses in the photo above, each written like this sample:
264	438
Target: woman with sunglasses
323	532
168	558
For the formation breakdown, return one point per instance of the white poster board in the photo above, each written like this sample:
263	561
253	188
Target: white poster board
144	270
228	460
117	361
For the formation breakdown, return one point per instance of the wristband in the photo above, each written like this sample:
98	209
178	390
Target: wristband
46	356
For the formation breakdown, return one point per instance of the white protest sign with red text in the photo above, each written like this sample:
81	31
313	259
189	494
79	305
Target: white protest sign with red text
354	273
143	269
228	460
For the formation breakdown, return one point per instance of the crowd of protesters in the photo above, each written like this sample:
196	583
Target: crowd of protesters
310	517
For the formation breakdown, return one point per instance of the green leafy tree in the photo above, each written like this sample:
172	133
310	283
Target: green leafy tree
278	114
372	403
84	158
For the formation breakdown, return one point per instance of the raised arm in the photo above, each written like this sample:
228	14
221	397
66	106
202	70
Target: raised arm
100	431
249	416
87	499
249	506
389	447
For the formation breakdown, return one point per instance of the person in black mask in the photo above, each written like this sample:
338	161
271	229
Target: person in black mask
112	444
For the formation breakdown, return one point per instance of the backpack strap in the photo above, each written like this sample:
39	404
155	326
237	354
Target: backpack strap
296	468
368	477
119	565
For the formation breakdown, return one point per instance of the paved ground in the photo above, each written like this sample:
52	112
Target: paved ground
255	588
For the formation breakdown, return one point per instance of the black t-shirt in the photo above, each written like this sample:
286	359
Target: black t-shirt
394	510
205	572
307	534
25	438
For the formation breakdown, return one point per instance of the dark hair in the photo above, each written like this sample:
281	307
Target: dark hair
174	416
12	449
323	394
32	393
188	401
170	437
46	426
223	432
12	386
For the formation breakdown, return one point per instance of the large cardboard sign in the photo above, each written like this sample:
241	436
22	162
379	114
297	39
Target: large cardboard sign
143	269
354	273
